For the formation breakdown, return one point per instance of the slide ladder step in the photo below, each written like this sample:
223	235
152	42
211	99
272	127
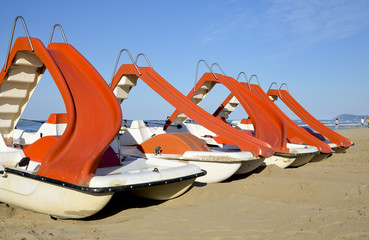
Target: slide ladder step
13	90
6	120
10	105
24	58
22	74
129	80
234	100
17	87
124	86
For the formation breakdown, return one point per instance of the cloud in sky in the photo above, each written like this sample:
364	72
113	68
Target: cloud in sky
224	28
302	23
314	21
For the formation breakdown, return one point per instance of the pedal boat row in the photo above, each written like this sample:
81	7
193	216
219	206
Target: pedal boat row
76	161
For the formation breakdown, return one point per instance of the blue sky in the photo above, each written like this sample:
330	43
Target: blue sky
319	48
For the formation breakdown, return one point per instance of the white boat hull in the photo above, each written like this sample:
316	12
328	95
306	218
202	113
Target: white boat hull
298	155
320	157
301	160
249	166
164	192
219	165
50	199
153	179
216	171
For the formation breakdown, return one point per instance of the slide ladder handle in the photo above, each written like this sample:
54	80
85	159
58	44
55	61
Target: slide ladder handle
211	68
279	93
257	79
11	38
247	81
116	64
284	84
197	71
147	60
61	30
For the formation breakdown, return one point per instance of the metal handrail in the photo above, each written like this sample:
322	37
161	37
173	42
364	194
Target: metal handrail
147	60
116	63
285	84
243	74
11	39
279	92
257	79
61	30
247	81
197	70
211	68
274	83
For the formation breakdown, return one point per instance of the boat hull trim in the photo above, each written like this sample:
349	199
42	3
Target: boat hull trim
65	200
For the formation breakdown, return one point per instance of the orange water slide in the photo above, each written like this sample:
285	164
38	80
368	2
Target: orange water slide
184	105
295	133
305	116
268	126
97	119
94	115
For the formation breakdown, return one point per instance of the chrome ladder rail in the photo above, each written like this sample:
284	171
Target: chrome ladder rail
61	30
247	81
197	71
11	39
147	60
116	64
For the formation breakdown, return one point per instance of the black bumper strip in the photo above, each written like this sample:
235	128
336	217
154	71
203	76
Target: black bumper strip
101	189
292	155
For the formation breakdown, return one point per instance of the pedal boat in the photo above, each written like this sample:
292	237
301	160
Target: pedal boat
219	164
152	142
269	125
298	154
337	142
73	175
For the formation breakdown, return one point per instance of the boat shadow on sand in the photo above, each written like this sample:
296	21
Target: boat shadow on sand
237	177
122	201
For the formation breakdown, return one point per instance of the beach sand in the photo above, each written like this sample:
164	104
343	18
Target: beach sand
323	200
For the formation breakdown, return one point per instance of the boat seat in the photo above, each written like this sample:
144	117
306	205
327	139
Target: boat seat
54	126
37	150
136	134
9	157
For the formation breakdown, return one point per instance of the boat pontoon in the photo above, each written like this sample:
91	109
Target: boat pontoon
75	174
337	142
268	124
219	163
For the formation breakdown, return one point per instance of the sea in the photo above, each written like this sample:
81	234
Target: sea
34	125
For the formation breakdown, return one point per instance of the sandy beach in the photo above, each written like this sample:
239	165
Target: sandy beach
323	200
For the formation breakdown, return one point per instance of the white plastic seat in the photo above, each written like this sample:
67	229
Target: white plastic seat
9	157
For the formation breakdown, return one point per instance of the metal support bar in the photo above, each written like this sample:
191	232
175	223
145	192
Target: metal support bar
257	79
119	151
61	30
279	93
11	39
243	74
285	84
211	68
197	70
116	64
247	81
147	60
273	83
